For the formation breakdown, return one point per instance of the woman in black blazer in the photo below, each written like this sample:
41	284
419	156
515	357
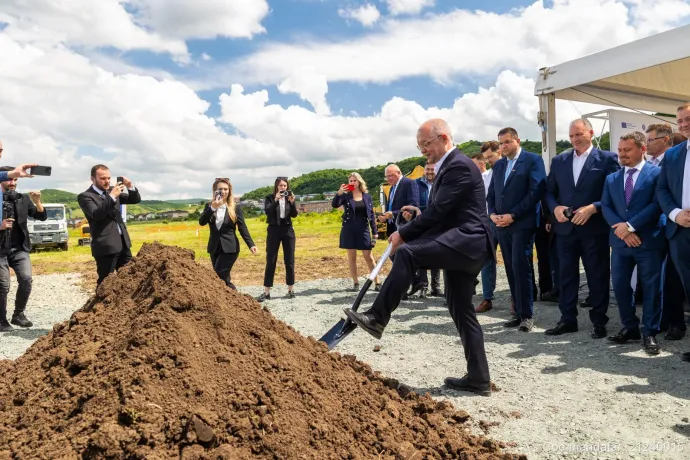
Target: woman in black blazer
280	209
358	232
224	218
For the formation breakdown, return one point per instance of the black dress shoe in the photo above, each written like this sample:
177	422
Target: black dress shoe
21	320
686	356
366	321
463	384
5	326
551	296
598	332
515	322
651	345
415	288
675	333
625	335
562	328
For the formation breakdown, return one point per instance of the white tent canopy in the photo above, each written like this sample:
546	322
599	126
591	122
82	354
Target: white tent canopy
651	74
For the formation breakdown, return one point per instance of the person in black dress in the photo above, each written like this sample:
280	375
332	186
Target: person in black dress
280	209
224	218
358	232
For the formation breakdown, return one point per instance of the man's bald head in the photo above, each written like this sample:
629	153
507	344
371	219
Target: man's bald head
393	174
434	139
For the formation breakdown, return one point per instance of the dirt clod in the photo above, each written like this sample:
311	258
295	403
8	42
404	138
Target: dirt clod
166	362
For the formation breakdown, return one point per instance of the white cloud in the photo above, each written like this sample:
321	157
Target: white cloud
461	42
367	15
396	7
205	57
310	86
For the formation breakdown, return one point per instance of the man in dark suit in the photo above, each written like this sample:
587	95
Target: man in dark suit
673	193
15	246
110	243
573	193
404	192
517	187
421	281
452	234
630	207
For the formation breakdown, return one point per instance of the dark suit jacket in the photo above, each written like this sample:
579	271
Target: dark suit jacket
272	209
227	234
347	201
456	216
423	193
670	184
25	208
561	189
103	215
406	194
521	193
643	211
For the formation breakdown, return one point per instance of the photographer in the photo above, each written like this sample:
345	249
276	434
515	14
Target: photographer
110	243
13	173
224	218
15	245
280	209
358	232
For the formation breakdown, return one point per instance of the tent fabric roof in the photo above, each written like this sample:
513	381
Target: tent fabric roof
649	74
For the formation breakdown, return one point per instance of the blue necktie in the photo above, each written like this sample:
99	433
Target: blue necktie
508	169
390	202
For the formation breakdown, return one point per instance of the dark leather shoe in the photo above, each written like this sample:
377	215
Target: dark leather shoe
483	307
585	303
562	328
598	332
515	322
551	296
686	356
21	320
435	292
651	345
675	333
463	384
290	295
415	288
263	297
625	335
366	321
5	326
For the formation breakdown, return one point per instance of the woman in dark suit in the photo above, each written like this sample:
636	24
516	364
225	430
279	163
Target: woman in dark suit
280	209
358	232
224	218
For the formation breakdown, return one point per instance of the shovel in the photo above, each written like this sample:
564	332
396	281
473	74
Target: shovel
345	326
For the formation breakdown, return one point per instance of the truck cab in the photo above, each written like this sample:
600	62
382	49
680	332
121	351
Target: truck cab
53	231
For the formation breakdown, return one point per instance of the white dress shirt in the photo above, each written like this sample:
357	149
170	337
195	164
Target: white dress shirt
437	165
579	162
220	215
487	175
685	194
656	161
281	203
635	175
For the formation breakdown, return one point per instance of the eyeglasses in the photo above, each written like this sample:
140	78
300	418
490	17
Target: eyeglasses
655	138
426	144
282	178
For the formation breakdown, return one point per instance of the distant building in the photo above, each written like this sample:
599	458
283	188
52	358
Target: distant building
329	195
173	215
315	206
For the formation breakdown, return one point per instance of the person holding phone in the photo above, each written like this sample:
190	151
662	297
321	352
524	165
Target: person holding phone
358	232
224	218
280	209
14	173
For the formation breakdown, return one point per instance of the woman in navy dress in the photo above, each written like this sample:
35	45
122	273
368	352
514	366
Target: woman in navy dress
358	232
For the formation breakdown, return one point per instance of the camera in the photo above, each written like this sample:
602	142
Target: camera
569	213
286	193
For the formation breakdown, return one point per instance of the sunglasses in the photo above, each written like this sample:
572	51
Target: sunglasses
222	179
282	178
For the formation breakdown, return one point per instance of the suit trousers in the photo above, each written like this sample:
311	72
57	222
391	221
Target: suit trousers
595	253
421	277
649	264
460	273
277	235
517	248
672	297
107	264
679	248
541	244
223	263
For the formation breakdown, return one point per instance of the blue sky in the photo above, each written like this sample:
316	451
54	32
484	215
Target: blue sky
175	93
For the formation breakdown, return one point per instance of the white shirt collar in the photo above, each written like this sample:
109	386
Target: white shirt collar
688	146
638	167
516	155
438	164
585	153
97	190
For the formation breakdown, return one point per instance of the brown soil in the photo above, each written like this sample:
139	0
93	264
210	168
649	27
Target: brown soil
166	362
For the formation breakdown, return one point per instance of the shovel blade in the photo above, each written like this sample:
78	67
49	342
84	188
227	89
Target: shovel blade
342	329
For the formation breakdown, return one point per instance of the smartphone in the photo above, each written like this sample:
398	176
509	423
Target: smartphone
120	180
218	195
350	187
40	171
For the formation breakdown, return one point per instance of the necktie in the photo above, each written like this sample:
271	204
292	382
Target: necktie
390	202
509	168
629	185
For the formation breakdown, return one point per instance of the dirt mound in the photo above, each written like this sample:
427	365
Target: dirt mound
166	362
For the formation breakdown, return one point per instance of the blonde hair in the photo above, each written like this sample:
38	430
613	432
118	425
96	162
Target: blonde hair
362	183
230	200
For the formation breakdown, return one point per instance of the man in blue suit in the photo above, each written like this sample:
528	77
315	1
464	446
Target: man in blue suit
517	187
673	193
573	193
630	207
404	192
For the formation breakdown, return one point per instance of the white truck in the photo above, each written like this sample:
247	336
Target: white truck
51	232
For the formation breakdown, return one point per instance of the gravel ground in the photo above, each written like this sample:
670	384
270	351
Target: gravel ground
53	299
564	397
559	397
